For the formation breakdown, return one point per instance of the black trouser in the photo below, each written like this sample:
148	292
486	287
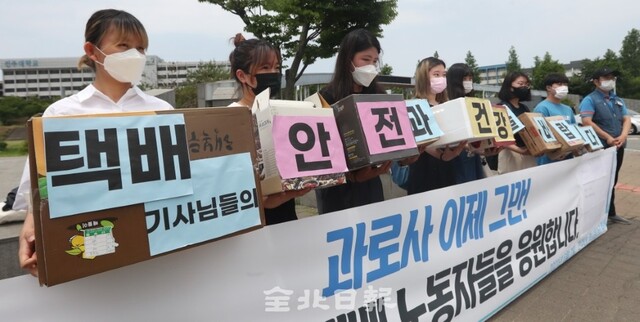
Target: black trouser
619	157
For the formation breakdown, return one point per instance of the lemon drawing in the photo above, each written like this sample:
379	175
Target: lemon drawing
77	245
77	240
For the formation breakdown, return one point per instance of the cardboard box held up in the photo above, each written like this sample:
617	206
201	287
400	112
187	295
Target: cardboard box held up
570	139
590	137
298	144
117	189
374	128
537	135
503	128
423	124
465	119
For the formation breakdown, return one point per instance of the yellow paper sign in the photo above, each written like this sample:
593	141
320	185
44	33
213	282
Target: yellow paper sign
481	117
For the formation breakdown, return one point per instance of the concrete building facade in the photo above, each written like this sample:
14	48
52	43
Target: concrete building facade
494	74
60	77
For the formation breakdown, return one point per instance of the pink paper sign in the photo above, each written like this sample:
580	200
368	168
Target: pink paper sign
307	146
386	126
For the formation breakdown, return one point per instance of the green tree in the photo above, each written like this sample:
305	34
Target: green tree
187	92
513	64
541	68
582	85
579	83
18	109
435	55
628	84
306	30
629	87
386	70
471	62
630	53
611	60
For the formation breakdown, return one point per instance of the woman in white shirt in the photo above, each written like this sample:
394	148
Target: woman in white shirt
115	45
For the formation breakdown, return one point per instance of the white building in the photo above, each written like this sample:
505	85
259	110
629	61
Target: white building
494	74
43	77
60	77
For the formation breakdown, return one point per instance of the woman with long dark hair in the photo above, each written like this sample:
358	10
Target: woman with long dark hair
468	167
515	89
355	73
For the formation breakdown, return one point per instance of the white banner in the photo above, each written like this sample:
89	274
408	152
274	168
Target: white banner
462	252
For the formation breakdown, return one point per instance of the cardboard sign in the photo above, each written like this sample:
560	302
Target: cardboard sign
544	129
423	123
516	125
537	135
307	146
482	121
503	128
212	211
298	144
567	135
91	164
374	128
114	235
385	126
590	137
465	119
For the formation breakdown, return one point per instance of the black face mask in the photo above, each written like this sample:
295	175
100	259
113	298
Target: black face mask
269	80
522	93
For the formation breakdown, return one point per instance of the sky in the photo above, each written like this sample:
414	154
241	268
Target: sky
188	30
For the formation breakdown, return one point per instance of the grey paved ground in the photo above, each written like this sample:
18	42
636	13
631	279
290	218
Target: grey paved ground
601	283
10	172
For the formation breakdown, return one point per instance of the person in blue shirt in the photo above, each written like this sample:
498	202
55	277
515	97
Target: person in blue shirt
607	114
557	87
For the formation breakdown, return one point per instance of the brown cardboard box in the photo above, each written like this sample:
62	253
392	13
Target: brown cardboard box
74	245
568	136
372	139
537	135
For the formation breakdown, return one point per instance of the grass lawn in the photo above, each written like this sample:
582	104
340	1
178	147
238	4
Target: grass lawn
14	148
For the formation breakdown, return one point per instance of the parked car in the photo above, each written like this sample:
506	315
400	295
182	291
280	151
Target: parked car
635	121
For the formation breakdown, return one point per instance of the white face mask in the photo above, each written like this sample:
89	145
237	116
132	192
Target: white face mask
468	86
608	85
561	92
126	66
364	75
